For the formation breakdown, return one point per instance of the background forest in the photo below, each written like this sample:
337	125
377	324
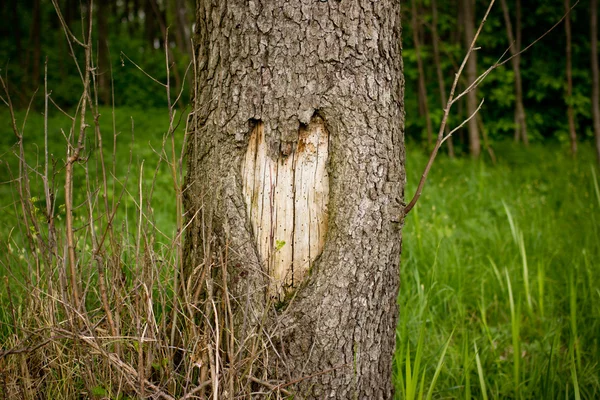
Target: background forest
500	277
433	40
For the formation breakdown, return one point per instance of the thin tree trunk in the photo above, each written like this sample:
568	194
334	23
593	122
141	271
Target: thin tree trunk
570	111
182	25
16	29
134	23
126	11
35	40
136	9
173	21
438	67
457	34
70	11
424	107
103	53
515	48
595	78
469	24
486	142
149	23
161	19
297	123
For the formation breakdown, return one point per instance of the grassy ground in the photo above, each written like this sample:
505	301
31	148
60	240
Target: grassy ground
503	261
500	278
137	149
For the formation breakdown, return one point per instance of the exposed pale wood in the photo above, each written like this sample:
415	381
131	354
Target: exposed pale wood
286	201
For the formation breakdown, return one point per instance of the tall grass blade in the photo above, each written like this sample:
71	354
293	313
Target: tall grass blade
596	187
525	270
438	369
412	372
422	386
574	376
515	330
541	279
511	222
480	373
467	367
546	379
497	273
409	391
573	313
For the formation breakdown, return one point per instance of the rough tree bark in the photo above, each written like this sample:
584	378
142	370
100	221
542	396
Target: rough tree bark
298	125
515	48
569	72
469	25
595	78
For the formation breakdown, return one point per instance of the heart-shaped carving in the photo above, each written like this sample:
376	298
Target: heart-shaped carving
286	201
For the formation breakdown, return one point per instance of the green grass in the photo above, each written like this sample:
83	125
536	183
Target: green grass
136	152
500	275
507	257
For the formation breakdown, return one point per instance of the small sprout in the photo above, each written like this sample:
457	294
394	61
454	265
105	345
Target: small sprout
279	244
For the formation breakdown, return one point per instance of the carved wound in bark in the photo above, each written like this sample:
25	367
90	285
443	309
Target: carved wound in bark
286	200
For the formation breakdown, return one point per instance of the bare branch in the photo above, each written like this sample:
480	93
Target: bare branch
141	69
453	99
440	137
464	122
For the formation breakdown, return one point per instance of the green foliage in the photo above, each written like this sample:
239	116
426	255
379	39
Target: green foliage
542	69
126	35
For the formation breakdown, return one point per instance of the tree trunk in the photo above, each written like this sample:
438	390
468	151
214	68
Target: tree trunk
515	48
438	67
35	43
125	13
134	22
457	34
161	19
70	11
296	167
103	53
469	24
570	111
595	79
423	106
182	23
150	25
16	29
